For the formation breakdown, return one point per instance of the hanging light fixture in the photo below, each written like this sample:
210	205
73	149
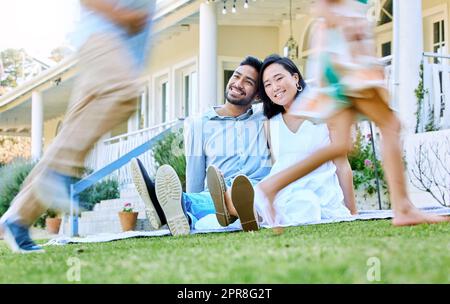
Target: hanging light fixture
234	6
224	10
290	49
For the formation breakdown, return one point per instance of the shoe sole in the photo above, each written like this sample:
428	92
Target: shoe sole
216	186
242	194
12	244
169	191
141	187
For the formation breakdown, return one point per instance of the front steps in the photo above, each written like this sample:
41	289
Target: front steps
104	218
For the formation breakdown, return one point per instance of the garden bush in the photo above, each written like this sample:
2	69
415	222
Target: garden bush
170	151
103	190
365	166
12	176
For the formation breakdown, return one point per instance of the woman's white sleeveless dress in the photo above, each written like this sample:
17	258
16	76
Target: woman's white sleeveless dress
314	197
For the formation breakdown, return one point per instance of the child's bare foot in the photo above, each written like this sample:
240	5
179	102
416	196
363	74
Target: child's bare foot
413	216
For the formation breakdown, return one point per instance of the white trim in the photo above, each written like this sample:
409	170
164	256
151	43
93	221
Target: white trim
123	136
185	63
178	69
384	28
439	10
156	80
34	83
308	25
167	7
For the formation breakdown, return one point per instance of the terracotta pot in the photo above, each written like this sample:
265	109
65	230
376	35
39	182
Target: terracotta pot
128	220
52	225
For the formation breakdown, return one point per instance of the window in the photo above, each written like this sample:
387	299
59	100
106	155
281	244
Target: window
163	99
386	13
189	94
386	49
438	38
306	63
226	77
142	119
187	89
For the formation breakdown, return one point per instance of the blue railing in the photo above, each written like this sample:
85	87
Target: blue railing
80	186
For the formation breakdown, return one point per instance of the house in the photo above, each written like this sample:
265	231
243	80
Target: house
198	43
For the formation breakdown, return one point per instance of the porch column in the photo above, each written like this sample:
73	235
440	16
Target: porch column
37	125
408	50
208	56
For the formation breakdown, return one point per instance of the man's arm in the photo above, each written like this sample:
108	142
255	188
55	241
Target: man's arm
133	21
195	157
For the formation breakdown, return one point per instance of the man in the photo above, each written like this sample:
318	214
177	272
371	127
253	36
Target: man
112	40
224	143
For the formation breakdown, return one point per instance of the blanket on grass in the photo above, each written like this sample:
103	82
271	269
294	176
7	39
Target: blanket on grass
209	224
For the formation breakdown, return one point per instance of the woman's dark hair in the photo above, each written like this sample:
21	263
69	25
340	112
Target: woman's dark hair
271	109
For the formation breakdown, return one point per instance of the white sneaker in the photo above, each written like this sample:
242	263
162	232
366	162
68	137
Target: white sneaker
168	192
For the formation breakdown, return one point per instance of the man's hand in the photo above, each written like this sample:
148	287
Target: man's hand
133	21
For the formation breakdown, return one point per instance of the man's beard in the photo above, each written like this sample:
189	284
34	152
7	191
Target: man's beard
243	102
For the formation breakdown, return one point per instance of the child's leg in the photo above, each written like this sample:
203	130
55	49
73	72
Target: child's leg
404	211
339	147
345	174
345	177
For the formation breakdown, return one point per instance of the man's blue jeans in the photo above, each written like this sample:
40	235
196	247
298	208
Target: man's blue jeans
198	205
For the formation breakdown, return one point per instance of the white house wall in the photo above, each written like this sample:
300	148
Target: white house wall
50	127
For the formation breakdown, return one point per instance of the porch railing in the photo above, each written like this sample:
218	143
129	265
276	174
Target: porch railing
435	109
109	150
387	61
117	164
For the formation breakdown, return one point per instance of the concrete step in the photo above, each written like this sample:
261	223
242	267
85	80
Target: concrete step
89	227
108	214
118	204
128	191
104	218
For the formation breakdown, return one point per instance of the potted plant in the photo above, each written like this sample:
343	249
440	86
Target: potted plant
52	221
128	217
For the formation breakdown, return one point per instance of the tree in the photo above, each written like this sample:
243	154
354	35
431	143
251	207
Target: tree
12	61
59	53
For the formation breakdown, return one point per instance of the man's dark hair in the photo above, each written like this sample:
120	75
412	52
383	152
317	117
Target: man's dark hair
253	62
271	109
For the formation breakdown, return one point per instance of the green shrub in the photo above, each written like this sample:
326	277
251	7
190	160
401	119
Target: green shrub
12	176
364	165
170	151
103	190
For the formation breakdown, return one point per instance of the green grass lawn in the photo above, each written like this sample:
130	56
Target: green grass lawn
331	253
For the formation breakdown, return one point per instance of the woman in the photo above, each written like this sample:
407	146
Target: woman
351	82
317	195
